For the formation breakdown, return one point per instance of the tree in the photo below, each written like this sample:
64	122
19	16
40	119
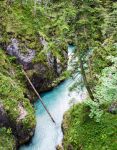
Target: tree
87	32
110	21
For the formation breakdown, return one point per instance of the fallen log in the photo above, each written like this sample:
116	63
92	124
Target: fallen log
38	95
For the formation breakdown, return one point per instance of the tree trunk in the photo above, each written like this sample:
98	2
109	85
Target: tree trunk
85	79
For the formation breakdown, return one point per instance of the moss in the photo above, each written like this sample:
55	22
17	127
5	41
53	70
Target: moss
89	135
12	88
7	140
11	96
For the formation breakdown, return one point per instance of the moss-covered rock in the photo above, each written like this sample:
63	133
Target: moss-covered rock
7	140
16	112
26	38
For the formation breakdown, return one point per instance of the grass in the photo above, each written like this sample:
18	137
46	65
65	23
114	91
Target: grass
83	133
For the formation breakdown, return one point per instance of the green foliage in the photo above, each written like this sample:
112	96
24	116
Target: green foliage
98	60
95	110
105	91
89	135
110	25
95	31
90	126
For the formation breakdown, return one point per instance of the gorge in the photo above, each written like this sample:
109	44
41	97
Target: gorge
78	84
47	134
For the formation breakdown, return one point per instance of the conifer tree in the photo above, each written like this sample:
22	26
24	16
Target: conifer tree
87	30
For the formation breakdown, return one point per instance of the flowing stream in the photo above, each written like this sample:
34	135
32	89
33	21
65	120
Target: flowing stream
48	135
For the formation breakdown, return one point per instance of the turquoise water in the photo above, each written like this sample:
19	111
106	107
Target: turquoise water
48	135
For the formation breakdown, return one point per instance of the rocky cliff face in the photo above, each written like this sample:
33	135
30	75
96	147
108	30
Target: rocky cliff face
41	73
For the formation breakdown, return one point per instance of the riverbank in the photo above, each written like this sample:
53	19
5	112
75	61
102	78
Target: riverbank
82	132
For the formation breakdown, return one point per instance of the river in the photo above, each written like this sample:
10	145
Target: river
48	135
